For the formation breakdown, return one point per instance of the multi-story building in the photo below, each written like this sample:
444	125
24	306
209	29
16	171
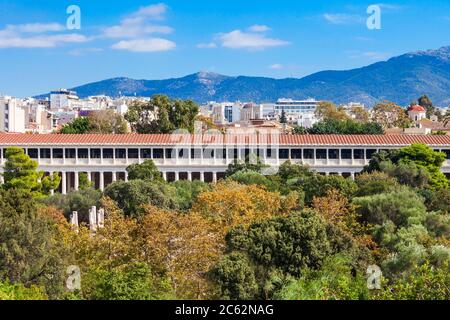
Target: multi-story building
13	115
203	157
64	99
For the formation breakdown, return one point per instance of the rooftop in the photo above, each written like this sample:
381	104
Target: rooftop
244	139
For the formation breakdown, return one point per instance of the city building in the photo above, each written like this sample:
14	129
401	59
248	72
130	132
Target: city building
64	99
203	157
13	115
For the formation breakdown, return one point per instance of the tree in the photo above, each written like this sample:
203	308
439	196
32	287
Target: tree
21	173
230	204
107	122
188	191
374	183
327	110
401	206
337	279
81	201
30	252
101	121
347	127
270	252
251	163
424	101
83	181
181	246
360	114
145	171
254	178
131	196
16	292
78	126
283	118
390	115
162	115
424	283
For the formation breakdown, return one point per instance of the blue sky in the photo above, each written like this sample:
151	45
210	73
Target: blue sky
156	40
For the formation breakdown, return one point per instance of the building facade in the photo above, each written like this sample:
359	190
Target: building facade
202	157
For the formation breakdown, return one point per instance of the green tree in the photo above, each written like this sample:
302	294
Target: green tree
187	192
83	181
251	163
145	171
130	196
374	183
21	173
162	115
425	101
337	279
78	126
10	291
30	252
346	127
283	118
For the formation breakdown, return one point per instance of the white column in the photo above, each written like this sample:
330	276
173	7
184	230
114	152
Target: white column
353	175
214	177
114	176
89	176
164	176
126	176
63	183
102	181
177	176
77	181
202	176
190	176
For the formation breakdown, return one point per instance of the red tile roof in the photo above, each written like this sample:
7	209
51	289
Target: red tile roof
161	139
417	108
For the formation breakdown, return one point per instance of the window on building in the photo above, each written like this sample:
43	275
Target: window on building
183	153
283	153
359	154
296	153
308	153
196	153
58	153
333	154
346	154
71	153
133	153
146	153
321	154
158	153
121	153
33	153
233	153
221	153
96	153
447	152
208	153
83	153
170	153
108	153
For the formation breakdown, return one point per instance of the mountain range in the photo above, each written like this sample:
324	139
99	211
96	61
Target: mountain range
401	79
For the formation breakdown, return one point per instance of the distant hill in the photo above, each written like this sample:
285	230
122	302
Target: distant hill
400	79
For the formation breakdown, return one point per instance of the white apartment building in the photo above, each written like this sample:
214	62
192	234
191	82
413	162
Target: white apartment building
202	157
64	99
296	107
13	115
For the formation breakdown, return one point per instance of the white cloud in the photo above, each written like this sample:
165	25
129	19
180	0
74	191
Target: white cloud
259	28
343	18
41	41
84	51
238	39
145	45
210	45
137	24
276	66
35	28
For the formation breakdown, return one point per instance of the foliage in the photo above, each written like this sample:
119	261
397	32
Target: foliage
230	204
374	183
327	110
337	279
130	196
19	292
144	171
81	201
181	247
250	164
162	115
346	127
424	283
29	253
254	178
20	172
188	191
101	121
390	115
